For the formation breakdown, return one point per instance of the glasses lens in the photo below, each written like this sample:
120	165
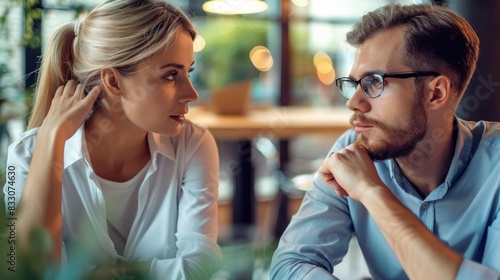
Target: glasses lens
347	87
372	85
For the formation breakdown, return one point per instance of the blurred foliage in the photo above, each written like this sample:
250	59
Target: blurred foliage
11	90
32	32
33	13
225	58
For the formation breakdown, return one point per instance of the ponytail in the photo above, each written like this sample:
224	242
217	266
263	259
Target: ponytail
55	70
111	36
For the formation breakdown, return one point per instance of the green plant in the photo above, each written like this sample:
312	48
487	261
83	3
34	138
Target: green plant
225	58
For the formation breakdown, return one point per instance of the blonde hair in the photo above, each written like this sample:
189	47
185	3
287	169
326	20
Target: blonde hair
117	34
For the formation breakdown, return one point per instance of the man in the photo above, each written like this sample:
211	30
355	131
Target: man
418	186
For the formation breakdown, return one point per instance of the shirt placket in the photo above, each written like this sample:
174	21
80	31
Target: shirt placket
426	214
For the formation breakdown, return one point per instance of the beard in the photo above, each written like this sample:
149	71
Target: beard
400	139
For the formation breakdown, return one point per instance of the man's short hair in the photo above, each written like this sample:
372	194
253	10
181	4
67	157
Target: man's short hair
436	39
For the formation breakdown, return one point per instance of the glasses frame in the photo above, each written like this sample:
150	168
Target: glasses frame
404	75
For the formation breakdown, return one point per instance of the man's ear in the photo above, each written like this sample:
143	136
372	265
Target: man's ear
109	78
440	92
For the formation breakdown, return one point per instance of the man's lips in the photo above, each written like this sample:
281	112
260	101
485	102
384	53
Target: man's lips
361	126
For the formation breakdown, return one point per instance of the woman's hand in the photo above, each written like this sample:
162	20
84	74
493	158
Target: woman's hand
41	201
69	109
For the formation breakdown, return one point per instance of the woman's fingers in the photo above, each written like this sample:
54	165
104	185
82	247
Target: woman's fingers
91	97
59	91
79	91
70	107
69	88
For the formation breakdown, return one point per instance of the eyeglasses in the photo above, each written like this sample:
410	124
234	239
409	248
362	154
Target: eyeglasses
372	85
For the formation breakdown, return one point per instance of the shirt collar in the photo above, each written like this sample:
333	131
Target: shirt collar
462	154
158	145
73	149
161	145
459	162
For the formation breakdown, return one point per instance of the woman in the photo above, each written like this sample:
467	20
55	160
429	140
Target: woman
109	163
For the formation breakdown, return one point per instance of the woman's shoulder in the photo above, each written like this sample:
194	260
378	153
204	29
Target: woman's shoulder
191	127
26	138
190	133
192	138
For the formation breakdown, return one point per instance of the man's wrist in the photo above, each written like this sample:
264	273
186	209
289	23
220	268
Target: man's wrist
373	193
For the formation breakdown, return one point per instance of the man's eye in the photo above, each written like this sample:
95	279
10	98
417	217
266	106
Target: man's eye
377	82
373	81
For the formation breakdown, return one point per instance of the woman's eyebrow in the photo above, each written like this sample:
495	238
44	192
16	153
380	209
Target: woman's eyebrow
176	65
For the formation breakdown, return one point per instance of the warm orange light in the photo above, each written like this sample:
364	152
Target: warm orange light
199	43
327	78
300	3
234	7
261	58
321	57
324	68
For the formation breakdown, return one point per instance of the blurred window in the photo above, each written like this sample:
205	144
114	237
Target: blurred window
230	48
247	47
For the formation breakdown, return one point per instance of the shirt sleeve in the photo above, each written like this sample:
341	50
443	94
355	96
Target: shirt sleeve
489	268
198	255
473	270
19	156
16	172
318	236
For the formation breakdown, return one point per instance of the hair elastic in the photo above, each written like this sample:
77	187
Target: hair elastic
77	27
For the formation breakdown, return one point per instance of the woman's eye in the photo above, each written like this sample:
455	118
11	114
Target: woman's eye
171	76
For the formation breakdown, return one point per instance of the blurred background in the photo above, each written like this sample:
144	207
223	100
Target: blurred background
290	51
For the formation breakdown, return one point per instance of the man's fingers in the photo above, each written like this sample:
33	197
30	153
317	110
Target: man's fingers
337	188
326	176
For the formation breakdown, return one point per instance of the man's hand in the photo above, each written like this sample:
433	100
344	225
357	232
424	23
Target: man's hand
350	172
423	256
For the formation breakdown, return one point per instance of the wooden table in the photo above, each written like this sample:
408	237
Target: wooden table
281	122
278	122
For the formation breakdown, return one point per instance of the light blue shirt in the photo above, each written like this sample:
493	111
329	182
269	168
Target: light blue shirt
464	212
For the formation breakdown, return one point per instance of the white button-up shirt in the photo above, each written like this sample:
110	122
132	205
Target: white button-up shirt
176	223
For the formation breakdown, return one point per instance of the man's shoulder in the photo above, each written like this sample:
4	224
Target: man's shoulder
488	132
344	140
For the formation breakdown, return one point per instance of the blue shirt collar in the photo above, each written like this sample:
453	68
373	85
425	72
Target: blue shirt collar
459	162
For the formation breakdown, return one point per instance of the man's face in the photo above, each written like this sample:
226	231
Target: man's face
396	138
391	125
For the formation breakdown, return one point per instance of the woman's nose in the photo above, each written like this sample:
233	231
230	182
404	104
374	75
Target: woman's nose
189	94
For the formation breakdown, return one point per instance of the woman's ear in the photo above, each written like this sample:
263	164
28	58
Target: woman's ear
109	78
440	92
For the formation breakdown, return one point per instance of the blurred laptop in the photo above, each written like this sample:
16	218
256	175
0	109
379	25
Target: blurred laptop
232	99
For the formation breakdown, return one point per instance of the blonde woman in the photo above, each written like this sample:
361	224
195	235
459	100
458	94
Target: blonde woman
109	163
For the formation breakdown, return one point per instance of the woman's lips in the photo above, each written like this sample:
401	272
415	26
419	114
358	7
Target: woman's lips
178	118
